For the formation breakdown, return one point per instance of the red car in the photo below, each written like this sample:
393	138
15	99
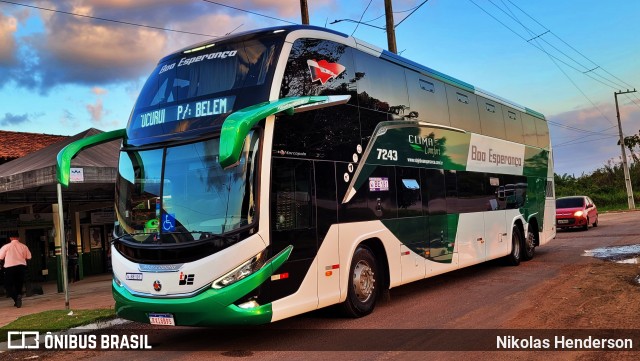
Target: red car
577	211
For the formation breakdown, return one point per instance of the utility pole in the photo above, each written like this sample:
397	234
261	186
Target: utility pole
391	31
304	10
627	176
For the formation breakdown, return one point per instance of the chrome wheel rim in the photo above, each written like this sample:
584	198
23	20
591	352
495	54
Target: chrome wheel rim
363	281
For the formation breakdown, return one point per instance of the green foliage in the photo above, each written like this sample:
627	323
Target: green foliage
56	320
605	186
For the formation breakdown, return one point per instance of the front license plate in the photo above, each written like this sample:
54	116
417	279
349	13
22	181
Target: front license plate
164	319
563	221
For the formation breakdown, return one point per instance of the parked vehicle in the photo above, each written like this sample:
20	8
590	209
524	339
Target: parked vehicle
576	211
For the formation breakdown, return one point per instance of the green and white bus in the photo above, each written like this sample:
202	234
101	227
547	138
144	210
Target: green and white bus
278	171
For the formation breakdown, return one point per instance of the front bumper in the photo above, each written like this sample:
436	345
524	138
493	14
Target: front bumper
205	309
568	222
208	308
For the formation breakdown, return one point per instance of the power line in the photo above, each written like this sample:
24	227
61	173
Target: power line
250	12
589	134
567	44
596	65
553	59
109	20
539	47
565	144
585	72
361	16
395	12
559	68
414	10
576	129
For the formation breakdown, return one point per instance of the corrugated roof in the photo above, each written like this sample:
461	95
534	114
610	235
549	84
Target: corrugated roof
19	144
104	155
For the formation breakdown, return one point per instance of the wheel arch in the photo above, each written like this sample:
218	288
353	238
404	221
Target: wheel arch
377	248
519	223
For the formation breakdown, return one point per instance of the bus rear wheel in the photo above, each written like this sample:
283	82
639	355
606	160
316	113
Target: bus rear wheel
529	249
363	286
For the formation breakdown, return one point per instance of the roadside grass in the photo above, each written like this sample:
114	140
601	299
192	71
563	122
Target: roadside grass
57	320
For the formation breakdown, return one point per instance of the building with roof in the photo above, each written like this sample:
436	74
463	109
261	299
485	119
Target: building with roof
19	144
28	204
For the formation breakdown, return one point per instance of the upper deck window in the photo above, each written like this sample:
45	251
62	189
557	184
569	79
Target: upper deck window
216	69
193	89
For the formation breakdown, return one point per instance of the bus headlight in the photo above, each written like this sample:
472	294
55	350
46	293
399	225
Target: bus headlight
244	270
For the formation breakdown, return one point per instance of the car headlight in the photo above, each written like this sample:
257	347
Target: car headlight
578	213
240	272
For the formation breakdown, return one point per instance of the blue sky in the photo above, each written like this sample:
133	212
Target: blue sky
61	74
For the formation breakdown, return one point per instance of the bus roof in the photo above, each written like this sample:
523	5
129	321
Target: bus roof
372	49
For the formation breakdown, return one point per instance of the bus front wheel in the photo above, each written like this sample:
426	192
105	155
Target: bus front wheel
363	285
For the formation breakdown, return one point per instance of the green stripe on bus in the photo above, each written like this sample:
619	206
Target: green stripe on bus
534	113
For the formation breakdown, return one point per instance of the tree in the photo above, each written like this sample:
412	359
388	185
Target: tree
631	142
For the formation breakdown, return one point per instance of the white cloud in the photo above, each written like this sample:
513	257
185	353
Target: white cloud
8	48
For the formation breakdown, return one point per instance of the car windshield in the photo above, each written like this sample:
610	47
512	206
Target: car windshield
575	202
181	194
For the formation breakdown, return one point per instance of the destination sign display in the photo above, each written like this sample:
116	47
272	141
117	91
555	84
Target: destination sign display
184	111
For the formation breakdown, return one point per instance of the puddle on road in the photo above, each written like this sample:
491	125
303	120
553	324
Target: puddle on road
618	254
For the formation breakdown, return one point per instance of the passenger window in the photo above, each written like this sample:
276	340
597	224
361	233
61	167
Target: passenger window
473	192
451	186
491	118
514	192
381	86
513	125
433	191
463	109
305	72
427	99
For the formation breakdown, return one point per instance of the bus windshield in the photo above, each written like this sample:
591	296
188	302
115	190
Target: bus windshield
197	87
181	194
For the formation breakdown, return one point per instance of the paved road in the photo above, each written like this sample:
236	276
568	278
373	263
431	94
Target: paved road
480	297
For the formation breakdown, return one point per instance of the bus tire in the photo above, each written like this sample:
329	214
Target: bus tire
529	249
513	259
363	287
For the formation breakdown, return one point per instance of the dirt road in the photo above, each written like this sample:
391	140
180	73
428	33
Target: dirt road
559	289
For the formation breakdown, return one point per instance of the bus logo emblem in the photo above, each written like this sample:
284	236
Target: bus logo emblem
157	286
186	279
323	70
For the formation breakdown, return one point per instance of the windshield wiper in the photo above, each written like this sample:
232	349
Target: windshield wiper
206	236
131	235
